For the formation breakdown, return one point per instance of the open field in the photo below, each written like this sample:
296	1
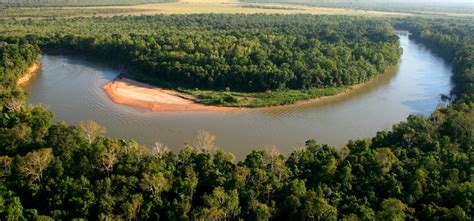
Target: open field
233	6
74	3
212	6
51	12
187	7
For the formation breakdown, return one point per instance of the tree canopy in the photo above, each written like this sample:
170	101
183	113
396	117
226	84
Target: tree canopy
421	169
250	53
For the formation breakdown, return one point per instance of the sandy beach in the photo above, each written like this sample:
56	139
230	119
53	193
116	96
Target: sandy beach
29	73
136	94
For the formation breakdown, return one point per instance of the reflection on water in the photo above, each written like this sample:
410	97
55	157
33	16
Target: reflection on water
70	86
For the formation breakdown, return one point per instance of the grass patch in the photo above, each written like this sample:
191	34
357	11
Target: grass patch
259	99
244	99
199	7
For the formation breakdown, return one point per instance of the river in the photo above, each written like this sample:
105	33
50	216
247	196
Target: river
71	87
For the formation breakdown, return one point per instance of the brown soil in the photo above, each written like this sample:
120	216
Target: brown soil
29	73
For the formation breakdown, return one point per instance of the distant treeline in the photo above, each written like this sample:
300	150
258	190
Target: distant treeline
239	52
59	3
458	6
269	7
53	12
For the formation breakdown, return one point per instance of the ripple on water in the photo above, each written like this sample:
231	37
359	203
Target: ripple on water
71	86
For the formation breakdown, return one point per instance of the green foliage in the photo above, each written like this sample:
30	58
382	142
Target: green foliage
118	179
16	59
245	53
260	99
421	169
392	210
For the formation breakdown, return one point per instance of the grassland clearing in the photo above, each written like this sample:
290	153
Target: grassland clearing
186	7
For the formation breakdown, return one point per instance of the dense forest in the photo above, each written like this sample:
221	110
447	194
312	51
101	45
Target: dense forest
62	3
421	169
220	58
251	53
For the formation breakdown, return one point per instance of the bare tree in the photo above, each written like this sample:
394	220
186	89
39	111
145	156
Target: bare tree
13	105
109	157
155	183
159	150
275	159
34	164
205	141
91	130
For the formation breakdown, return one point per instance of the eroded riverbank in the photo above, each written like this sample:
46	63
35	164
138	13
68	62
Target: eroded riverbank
32	70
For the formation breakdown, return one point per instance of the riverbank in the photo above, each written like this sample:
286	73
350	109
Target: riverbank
136	94
32	70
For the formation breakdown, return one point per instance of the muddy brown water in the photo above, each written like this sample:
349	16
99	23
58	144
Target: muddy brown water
71	87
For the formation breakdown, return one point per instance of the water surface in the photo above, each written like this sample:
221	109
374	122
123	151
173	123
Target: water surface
71	87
